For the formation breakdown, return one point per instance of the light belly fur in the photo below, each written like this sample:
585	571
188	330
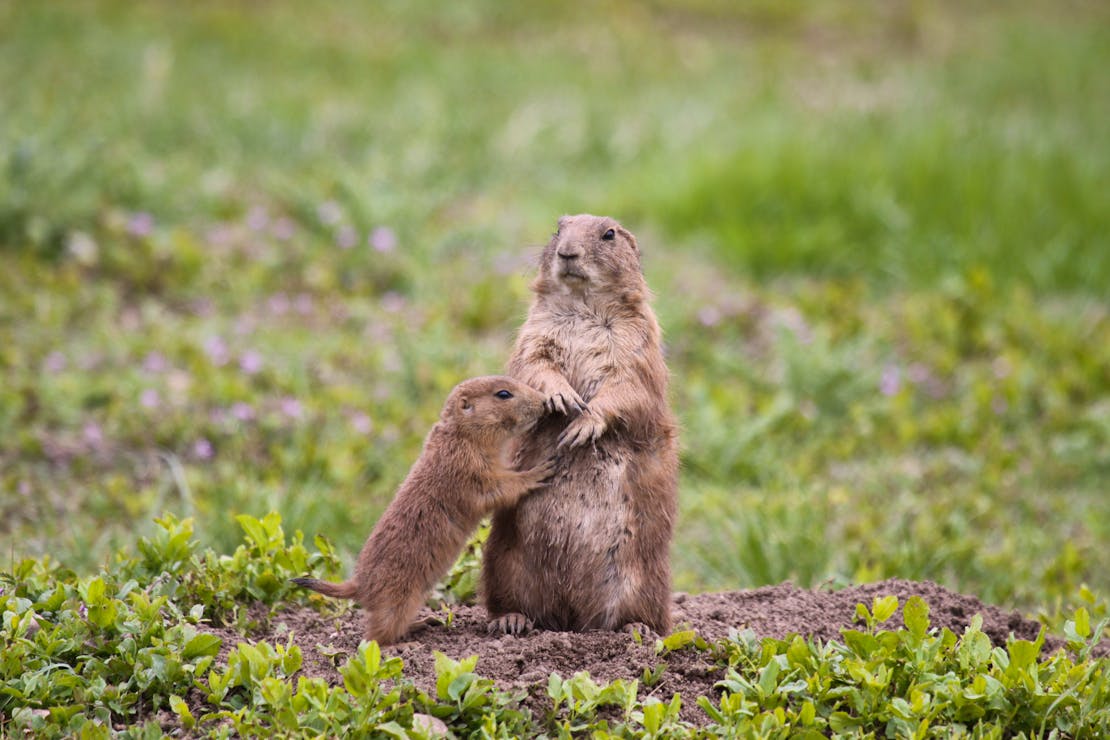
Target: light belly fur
574	532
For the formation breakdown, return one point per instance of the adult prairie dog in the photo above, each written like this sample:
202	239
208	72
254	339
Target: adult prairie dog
464	473
592	549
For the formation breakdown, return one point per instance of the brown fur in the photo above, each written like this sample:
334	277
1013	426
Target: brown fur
464	472
592	550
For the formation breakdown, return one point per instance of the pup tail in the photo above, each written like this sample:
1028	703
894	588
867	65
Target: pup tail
345	590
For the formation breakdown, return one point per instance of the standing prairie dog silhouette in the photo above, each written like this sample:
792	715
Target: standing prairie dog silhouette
592	549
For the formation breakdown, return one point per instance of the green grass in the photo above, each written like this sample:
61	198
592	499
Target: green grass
993	157
877	234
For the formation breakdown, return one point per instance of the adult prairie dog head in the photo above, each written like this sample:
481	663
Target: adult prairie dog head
591	255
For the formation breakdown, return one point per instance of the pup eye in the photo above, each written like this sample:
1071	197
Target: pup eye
503	395
609	235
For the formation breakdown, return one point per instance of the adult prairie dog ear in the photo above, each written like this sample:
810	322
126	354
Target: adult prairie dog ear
464	404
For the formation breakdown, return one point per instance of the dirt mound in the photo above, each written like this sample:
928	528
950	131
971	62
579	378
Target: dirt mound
524	663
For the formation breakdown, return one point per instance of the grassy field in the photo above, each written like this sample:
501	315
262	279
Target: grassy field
248	250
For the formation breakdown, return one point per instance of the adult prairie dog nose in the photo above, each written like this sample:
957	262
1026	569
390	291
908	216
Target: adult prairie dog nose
569	252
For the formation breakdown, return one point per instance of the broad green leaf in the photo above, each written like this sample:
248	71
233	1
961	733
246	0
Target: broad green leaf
713	712
916	616
884	608
768	678
974	649
254	530
653	715
94	592
679	640
1083	622
459	685
555	688
1023	654
181	709
798	653
392	729
843	722
103	613
202	644
861	643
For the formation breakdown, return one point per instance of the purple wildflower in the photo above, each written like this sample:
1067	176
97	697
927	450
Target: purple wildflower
891	381
242	411
155	362
257	218
250	362
393	302
709	316
140	224
303	304
278	304
292	407
383	239
202	449
150	399
361	423
55	362
216	349
92	434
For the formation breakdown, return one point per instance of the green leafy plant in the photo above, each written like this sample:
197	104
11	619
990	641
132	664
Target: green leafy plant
471	703
908	683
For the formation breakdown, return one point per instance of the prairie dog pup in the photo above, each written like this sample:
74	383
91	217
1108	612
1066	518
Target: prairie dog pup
591	550
463	473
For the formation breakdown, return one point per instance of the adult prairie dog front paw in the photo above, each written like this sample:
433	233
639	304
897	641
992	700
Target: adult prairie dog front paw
563	399
586	428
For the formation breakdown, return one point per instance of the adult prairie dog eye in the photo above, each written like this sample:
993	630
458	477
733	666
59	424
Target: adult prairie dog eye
503	395
609	235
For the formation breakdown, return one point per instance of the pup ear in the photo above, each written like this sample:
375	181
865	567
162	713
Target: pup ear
631	239
464	404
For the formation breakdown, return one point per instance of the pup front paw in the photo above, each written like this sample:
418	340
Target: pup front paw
542	473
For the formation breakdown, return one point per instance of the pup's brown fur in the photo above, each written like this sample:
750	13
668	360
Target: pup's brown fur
463	473
592	550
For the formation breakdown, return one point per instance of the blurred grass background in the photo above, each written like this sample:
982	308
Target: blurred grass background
248	247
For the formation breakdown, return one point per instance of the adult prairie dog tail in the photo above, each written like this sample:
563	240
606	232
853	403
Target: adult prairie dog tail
345	590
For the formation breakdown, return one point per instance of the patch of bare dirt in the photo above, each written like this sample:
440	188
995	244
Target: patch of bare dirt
523	664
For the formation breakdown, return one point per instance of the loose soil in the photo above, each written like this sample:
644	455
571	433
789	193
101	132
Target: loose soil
523	664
